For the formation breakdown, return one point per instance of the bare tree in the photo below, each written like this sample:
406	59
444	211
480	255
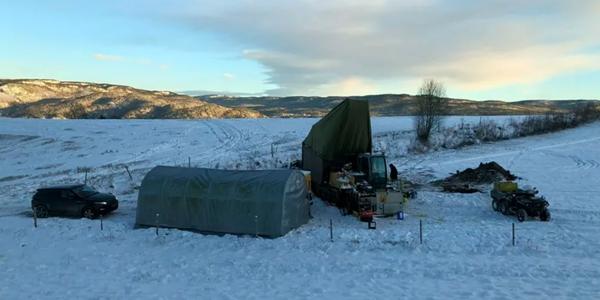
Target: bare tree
432	105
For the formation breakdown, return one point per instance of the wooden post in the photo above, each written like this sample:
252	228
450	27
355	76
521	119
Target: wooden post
331	230
421	231
34	218
513	234
189	162
101	223
129	173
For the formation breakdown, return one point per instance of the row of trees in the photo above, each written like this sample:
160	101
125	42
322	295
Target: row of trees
432	105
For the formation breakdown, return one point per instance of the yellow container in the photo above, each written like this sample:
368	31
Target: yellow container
307	180
506	186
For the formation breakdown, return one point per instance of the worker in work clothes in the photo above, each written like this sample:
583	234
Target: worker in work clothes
394	174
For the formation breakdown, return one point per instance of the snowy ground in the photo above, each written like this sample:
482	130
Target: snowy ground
467	251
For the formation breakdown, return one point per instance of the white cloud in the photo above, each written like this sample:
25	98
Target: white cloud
228	76
350	86
329	47
107	57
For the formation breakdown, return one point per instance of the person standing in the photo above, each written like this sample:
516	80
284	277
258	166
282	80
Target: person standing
393	173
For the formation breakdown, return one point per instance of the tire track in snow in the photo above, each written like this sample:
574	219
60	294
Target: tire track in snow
579	162
593	163
226	136
516	152
232	141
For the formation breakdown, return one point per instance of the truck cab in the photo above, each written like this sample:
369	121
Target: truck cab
375	169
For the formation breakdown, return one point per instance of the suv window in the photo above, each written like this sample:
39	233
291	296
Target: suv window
67	194
85	191
48	193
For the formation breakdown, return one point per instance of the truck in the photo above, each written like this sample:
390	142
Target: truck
344	169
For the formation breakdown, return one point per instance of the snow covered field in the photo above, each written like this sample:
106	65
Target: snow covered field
467	251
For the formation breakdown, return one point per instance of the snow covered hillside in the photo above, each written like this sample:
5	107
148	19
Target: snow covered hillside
466	253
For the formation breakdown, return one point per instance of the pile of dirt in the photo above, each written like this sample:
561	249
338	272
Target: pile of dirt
468	180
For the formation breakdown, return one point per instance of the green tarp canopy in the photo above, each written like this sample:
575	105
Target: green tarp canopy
345	131
262	202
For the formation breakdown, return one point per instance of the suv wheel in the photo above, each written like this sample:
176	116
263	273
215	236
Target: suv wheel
40	211
521	215
89	213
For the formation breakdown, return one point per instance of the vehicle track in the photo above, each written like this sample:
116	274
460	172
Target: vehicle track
229	137
579	162
515	152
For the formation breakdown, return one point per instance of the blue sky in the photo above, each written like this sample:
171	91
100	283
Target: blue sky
492	50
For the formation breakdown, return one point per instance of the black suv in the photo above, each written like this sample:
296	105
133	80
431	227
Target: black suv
75	200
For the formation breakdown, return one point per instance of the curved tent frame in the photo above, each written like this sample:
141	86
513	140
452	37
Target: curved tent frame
258	202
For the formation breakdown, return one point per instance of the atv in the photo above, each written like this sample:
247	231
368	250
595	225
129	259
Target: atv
511	200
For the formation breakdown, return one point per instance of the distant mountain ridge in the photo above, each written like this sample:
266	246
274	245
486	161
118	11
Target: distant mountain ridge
389	105
41	98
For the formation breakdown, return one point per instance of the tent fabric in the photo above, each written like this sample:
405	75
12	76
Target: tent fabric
311	161
344	131
262	202
337	138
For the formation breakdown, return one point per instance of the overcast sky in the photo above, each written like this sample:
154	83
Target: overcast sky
507	50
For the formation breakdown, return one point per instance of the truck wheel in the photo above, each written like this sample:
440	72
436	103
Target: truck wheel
495	205
521	215
545	215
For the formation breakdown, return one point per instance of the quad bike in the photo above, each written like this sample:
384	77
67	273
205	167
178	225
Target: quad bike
511	200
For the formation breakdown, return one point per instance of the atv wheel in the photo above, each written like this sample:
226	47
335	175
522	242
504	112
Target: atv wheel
503	207
545	215
495	205
521	215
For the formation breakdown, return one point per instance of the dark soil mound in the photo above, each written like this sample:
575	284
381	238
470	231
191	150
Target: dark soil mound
486	173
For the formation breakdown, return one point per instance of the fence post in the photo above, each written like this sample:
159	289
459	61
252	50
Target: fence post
513	234
34	218
128	173
101	223
189	162
157	224
331	230
255	226
420	231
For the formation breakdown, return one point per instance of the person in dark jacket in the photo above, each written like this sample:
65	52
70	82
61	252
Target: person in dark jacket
393	172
